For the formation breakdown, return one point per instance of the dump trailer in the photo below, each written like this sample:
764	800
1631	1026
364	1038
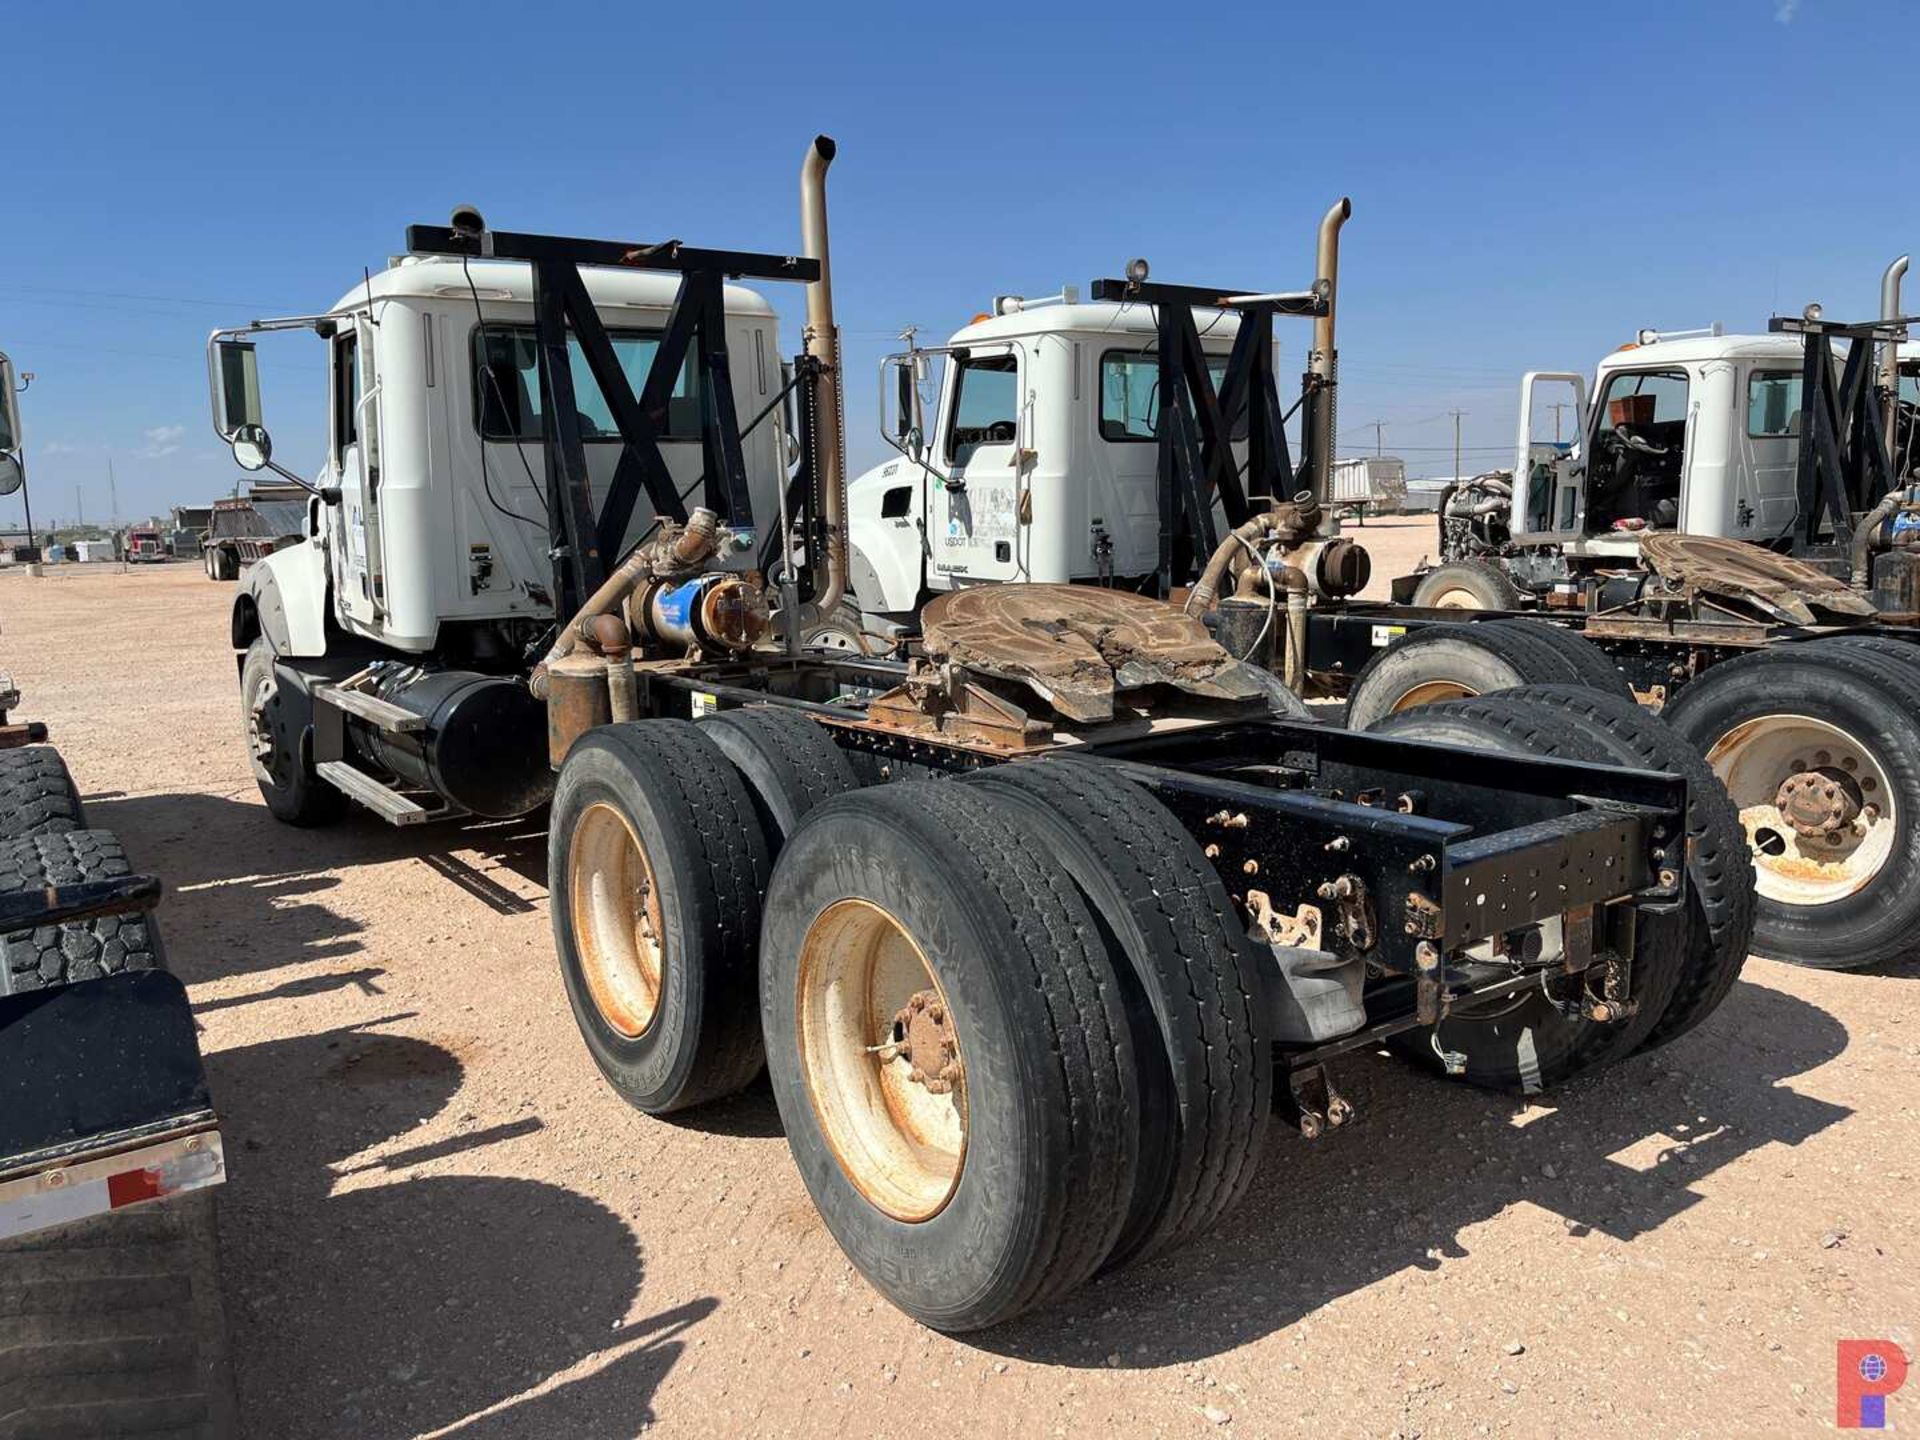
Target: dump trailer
1032	926
245	528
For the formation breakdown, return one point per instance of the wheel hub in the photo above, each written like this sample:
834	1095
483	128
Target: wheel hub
924	1038
1819	802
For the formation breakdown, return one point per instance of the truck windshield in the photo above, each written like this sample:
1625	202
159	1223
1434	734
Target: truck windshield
506	385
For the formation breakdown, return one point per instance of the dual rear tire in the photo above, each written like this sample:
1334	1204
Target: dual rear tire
1003	1062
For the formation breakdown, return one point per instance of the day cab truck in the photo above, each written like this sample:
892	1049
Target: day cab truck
1690	524
110	1150
1733	526
1032	922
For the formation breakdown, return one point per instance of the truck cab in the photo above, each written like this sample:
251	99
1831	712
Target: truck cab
1040	461
426	528
1697	433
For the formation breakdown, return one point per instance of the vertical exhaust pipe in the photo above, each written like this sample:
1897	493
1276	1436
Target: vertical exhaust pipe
1324	363
1890	356
822	343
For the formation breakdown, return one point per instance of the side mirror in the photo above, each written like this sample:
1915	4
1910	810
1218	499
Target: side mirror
12	475
236	391
9	412
252	447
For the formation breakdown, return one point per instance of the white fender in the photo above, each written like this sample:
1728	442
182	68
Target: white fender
284	597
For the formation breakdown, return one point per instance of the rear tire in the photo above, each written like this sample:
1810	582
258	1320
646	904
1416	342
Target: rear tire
789	762
1468	585
1720	896
656	866
1773	714
37	794
1525	1045
1589	661
1191	983
52	955
1453	662
968	1206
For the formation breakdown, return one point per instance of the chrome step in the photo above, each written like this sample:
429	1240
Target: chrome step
380	714
390	805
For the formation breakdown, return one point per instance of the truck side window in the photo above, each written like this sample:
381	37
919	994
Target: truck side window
1773	403
506	385
986	405
1130	395
346	392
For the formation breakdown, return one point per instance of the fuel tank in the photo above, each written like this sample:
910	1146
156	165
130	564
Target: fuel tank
484	747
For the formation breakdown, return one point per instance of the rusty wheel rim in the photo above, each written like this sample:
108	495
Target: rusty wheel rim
260	743
895	1120
1825	856
618	929
1431	692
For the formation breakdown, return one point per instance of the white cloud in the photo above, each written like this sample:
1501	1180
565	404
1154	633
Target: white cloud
58	447
1785	10
162	440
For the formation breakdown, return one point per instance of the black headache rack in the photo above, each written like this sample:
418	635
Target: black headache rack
585	543
1843	465
103	1099
1200	422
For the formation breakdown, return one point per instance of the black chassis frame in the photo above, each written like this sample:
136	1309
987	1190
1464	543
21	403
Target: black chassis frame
1451	848
1440	850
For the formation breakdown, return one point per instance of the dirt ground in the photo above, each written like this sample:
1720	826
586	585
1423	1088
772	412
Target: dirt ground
441	1222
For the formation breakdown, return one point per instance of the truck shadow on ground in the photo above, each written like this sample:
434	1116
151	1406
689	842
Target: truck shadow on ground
236	878
459	1304
1614	1157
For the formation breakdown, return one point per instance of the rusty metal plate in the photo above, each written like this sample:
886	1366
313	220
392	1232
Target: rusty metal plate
1078	646
1788	588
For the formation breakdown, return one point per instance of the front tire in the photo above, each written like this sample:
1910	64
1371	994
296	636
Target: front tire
1468	585
278	748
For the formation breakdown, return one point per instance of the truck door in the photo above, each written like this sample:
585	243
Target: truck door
975	519
356	460
1549	475
1768	447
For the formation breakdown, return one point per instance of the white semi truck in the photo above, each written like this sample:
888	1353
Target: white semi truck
554	551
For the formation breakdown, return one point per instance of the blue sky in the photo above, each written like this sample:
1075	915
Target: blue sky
1530	183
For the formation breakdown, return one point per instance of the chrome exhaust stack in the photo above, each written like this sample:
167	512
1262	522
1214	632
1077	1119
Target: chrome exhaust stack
1324	362
822	344
1890	353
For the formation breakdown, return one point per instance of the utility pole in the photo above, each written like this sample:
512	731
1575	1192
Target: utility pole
1379	437
1558	406
1456	441
113	497
78	508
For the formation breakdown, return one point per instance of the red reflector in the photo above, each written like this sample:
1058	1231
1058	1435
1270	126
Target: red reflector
130	1186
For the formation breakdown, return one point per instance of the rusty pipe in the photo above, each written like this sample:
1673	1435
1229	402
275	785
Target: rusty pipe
822	343
1206	591
1890	355
628	573
1324	361
1863	535
1295	673
609	638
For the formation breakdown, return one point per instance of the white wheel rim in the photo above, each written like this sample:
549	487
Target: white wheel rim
1457	599
901	1144
618	930
1755	759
